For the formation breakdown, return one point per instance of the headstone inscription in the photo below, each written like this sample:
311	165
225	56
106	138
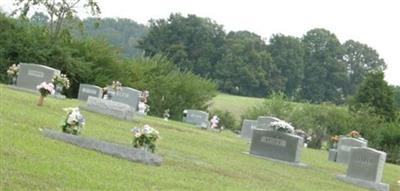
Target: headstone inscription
31	75
276	145
366	168
126	95
86	90
247	128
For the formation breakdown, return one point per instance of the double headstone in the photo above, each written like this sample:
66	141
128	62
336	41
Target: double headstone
345	144
247	128
86	90
277	145
264	122
109	107
127	96
31	75
366	168
197	117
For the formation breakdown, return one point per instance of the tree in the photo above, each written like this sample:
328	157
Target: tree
246	66
288	56
58	11
324	72
396	92
375	93
360	59
192	43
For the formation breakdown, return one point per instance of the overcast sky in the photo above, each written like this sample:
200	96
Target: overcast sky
372	22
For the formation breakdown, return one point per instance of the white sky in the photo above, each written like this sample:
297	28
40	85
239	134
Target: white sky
372	22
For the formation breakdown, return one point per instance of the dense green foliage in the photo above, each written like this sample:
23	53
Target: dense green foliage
375	93
245	66
194	159
315	68
192	43
121	33
94	61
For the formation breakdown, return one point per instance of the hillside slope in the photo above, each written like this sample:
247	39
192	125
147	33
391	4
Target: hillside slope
193	159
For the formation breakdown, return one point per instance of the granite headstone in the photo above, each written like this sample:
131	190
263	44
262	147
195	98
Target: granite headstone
31	75
127	96
365	168
86	90
247	128
120	151
197	117
264	122
109	107
344	146
276	145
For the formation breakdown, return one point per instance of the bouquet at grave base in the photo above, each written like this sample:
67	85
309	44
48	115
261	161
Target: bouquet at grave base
45	89
74	122
335	139
13	70
116	86
282	126
145	137
61	79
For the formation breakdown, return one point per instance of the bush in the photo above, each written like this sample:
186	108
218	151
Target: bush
227	120
168	87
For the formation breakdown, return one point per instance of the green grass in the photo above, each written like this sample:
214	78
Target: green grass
193	159
237	105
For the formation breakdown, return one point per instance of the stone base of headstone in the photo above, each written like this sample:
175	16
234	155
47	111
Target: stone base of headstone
116	150
302	165
363	183
332	155
128	117
33	91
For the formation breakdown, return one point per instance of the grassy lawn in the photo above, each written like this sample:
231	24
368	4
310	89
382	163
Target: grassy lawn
237	105
193	159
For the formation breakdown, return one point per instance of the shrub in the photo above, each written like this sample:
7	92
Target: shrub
226	119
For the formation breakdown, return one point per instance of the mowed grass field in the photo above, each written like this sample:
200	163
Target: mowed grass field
237	105
194	159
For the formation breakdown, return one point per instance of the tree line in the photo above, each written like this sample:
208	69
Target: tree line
315	68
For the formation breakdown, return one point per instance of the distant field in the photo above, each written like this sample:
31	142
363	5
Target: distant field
194	159
237	105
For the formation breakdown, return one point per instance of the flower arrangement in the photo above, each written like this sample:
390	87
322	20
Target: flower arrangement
74	122
145	137
61	79
282	126
335	139
45	88
354	134
116	86
13	70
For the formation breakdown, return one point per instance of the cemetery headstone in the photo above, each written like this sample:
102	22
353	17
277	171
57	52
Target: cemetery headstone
264	122
126	95
366	168
109	107
120	151
344	146
197	117
247	128
86	90
31	75
277	145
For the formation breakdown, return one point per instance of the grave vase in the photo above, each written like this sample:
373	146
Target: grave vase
59	89
14	80
40	100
